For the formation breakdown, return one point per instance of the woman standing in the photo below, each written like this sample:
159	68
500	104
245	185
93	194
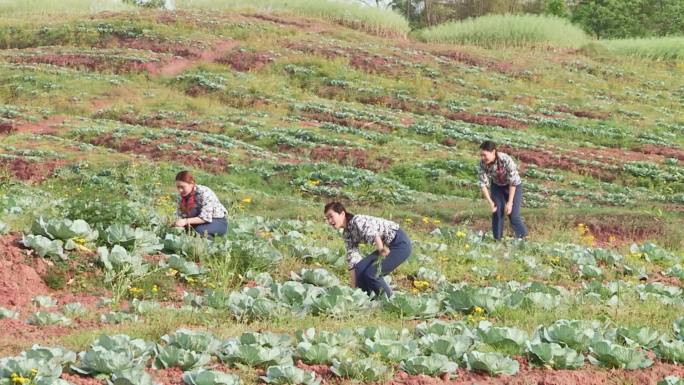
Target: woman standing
391	243
502	188
199	208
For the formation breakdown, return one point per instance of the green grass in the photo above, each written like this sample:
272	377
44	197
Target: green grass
507	31
13	8
657	48
368	19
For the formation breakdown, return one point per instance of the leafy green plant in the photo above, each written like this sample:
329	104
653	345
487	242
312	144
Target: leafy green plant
638	337
74	309
364	370
132	376
186	269
340	301
288	374
554	356
492	363
615	356
210	377
132	239
509	338
453	347
318	354
45	318
671	380
43	301
111	354
672	351
318	277
173	356
44	247
432	365
412	306
7	313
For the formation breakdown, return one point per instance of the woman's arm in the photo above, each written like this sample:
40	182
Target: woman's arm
488	198
189	221
352	278
511	195
380	246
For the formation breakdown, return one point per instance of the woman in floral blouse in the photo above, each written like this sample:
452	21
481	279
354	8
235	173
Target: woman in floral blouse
502	188
199	208
391	243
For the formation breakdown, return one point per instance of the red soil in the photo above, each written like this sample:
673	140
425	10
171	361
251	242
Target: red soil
614	155
241	60
81	380
351	157
322	371
584	113
85	62
19	282
527	376
170	376
7	127
177	66
475	61
668	152
152	151
174	48
22	169
486	120
549	159
350	122
41	127
619	231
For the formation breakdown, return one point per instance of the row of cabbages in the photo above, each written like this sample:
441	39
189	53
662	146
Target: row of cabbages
50	238
319	292
435	348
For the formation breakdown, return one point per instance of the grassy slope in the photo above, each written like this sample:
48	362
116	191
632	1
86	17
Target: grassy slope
397	97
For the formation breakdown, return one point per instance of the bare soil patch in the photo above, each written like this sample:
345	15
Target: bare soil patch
486	120
243	60
151	150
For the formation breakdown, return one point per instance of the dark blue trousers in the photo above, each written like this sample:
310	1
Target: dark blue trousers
217	226
499	195
369	279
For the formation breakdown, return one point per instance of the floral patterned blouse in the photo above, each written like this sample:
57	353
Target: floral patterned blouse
364	228
502	172
207	203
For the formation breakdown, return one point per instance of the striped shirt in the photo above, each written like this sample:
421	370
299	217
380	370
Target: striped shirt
502	172
364	228
208	204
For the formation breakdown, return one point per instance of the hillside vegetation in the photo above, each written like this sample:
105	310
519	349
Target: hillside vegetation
281	113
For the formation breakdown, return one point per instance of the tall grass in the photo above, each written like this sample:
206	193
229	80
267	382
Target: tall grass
13	8
501	31
373	20
660	48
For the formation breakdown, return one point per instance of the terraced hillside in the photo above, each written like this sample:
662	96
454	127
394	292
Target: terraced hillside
279	114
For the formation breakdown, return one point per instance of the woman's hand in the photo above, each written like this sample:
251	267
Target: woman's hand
493	207
181	222
384	252
509	208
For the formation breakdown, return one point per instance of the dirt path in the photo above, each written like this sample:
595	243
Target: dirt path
178	65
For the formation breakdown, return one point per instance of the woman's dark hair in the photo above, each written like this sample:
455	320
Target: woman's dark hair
185	176
488	145
338	208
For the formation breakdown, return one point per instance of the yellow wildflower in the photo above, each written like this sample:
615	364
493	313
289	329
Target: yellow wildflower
155	289
460	234
426	220
247	200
